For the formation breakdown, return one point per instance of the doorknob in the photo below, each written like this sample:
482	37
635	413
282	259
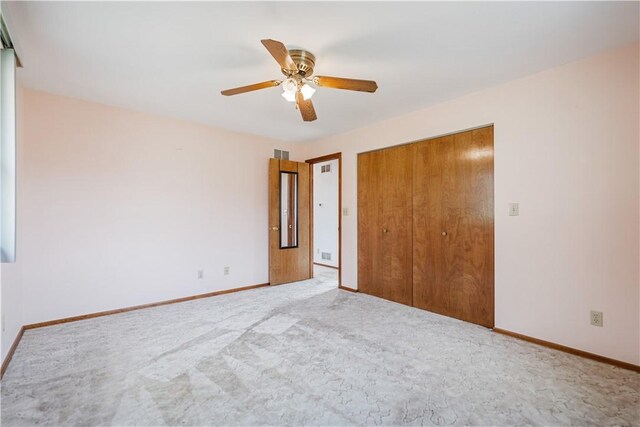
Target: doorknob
274	228
444	233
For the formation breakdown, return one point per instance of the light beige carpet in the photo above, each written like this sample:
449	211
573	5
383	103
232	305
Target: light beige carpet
302	354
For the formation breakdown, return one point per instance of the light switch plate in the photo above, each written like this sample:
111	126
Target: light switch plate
345	211
514	209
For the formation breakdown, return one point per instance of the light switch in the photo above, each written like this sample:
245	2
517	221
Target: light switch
514	209
345	211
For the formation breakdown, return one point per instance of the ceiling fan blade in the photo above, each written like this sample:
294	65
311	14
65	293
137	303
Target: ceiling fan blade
348	84
280	54
306	108
250	88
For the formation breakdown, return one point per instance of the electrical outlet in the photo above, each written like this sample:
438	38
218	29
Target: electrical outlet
226	270
200	274
514	209
596	318
345	211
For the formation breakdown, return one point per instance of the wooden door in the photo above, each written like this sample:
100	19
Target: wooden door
453	247
370	254
384	223
289	232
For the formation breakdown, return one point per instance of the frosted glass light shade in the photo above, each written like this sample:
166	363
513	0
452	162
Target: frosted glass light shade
307	91
289	96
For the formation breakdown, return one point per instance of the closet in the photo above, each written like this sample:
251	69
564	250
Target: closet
425	225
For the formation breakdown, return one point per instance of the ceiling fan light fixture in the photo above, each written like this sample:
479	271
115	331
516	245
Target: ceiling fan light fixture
289	96
307	91
290	85
289	89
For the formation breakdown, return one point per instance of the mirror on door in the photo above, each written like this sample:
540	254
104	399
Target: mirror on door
288	210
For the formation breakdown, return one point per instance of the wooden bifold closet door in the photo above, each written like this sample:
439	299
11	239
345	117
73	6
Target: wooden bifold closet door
384	224
425	225
453	226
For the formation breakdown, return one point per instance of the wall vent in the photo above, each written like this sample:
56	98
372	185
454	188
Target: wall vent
281	154
326	255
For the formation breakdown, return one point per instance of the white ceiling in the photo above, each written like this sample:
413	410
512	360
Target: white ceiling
173	58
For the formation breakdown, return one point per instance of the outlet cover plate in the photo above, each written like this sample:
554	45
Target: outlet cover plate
596	318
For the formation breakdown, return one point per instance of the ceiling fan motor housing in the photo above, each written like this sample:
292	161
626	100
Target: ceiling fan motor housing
304	60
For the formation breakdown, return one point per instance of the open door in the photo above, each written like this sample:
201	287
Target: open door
323	191
288	222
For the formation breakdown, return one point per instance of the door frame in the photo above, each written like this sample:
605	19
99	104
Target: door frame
312	162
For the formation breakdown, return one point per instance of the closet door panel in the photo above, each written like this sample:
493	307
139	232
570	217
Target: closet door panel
396	187
430	290
384	224
468	219
369	219
453	226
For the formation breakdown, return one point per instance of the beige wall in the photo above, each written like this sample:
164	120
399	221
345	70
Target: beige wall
566	149
119	208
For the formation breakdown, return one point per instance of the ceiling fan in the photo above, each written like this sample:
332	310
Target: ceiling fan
297	66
